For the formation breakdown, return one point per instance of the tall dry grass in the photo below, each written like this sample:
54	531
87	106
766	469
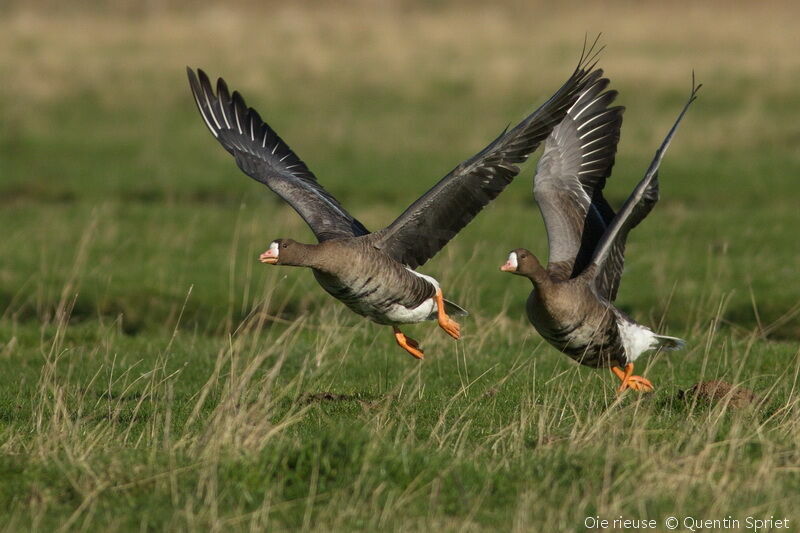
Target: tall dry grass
248	404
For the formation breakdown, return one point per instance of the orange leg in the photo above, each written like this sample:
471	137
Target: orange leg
445	322
629	381
408	344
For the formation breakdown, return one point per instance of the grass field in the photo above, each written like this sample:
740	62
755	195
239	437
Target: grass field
154	376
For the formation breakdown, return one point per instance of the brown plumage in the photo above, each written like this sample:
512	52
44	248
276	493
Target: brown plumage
571	304
569	315
373	273
362	277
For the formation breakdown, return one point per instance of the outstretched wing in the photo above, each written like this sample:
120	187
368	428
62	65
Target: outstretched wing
609	275
570	176
263	156
429	223
636	207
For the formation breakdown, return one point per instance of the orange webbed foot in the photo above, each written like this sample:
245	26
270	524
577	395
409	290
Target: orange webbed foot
450	326
641	384
629	381
408	344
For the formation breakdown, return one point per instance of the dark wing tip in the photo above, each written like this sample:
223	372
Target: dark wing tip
222	90
644	189
203	77
194	82
590	56
204	99
695	88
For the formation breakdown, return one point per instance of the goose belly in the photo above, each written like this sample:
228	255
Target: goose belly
400	314
577	341
589	342
571	338
378	302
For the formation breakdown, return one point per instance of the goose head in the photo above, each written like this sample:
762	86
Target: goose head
284	252
523	263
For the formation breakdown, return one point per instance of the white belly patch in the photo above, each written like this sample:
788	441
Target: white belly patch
403	315
424	311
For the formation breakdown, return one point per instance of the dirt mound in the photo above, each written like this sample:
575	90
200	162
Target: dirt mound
327	397
716	391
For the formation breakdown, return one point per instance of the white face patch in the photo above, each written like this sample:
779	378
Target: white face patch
512	260
273	249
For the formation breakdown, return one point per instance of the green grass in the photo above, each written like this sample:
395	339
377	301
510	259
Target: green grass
155	376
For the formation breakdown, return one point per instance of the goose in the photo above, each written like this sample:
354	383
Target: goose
571	304
374	274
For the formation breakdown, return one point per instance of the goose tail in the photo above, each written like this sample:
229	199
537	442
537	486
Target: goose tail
665	342
454	310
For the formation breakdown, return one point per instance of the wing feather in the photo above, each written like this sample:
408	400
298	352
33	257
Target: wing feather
265	157
436	217
578	157
607	259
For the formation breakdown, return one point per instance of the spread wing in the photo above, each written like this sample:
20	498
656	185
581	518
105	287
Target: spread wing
429	223
263	156
607	258
609	275
570	176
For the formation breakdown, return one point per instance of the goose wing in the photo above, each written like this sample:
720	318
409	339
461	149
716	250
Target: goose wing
608	277
607	259
435	218
570	176
265	157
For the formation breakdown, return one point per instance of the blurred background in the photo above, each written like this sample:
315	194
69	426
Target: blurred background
102	151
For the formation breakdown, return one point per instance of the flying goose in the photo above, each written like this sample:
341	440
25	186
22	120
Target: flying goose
374	273
572	301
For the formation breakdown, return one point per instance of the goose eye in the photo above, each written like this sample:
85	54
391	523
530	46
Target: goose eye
284	245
